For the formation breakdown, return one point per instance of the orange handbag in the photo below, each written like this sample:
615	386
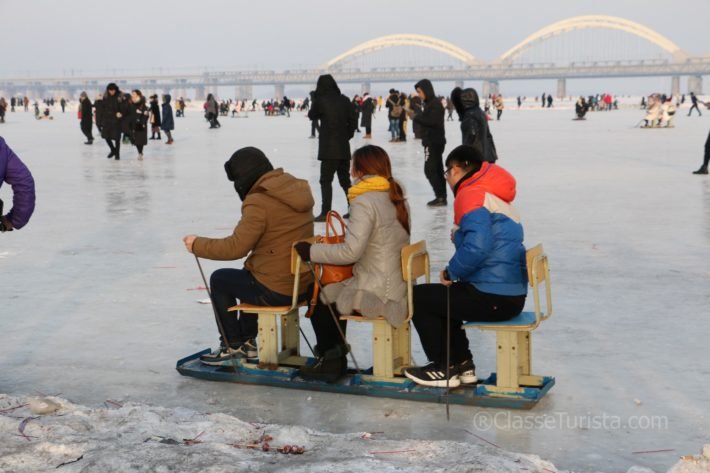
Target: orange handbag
330	273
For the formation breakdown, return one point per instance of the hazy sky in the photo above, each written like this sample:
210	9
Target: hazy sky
51	36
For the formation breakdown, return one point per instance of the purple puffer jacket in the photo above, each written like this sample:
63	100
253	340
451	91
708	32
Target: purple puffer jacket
14	172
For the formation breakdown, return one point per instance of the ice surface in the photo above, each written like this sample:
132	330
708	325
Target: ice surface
96	302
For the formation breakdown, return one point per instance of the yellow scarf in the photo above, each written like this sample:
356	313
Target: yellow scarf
369	184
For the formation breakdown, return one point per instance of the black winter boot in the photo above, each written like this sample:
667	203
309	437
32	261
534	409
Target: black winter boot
702	170
329	366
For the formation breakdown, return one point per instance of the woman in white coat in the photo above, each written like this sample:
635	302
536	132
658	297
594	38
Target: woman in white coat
378	229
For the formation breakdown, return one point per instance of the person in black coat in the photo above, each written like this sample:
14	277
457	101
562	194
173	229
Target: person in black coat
314	123
357	101
114	109
167	124
474	125
154	117
139	122
99	112
431	120
403	117
86	122
415	107
337	126
368	109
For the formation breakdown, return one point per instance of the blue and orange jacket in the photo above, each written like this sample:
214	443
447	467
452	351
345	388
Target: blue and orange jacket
488	234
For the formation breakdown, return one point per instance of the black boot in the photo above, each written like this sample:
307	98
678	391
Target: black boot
327	196
329	366
702	170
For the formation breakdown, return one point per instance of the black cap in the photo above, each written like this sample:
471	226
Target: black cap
245	167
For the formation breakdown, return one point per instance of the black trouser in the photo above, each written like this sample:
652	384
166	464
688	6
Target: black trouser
402	132
328	168
115	148
140	148
368	130
327	334
314	127
230	285
467	303
695	106
500	112
706	160
434	169
86	130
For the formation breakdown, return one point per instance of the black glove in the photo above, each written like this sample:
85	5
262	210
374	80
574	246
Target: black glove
303	248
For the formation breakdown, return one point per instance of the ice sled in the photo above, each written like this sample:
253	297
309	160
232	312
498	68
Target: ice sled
279	362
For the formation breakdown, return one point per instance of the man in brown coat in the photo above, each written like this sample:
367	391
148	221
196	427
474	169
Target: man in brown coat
277	210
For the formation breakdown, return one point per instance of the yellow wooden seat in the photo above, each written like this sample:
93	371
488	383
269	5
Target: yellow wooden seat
391	346
513	337
270	354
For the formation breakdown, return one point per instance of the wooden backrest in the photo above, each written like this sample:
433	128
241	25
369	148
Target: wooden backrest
415	261
538	273
415	264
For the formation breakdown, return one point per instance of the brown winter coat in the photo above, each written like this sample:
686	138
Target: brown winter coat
277	211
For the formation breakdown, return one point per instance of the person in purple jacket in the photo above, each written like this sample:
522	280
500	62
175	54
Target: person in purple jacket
14	172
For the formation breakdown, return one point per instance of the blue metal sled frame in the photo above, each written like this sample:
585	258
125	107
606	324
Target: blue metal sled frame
353	383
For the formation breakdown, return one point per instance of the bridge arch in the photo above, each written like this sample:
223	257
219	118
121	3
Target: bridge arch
594	21
395	40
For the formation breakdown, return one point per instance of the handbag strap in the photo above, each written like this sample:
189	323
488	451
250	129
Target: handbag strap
330	225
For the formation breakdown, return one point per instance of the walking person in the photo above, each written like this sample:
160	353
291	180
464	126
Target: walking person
499	105
449	110
212	109
114	107
704	168
139	123
403	118
474	125
86	118
3	109
394	113
694	99
337	126
155	121
431	120
167	124
368	110
99	112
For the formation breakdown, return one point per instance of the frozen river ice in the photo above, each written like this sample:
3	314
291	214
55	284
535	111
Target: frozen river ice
97	301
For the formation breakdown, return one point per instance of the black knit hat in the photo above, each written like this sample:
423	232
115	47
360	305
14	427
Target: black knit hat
245	167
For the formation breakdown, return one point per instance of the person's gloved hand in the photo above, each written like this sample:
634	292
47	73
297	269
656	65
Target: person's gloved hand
303	248
5	225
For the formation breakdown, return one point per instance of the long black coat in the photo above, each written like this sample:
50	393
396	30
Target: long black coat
139	123
113	126
86	114
155	114
474	125
368	108
337	120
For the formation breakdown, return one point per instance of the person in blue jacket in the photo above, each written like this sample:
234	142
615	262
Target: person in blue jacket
486	278
14	172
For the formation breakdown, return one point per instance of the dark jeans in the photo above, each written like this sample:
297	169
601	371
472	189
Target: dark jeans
467	303
86	130
434	169
328	168
230	285
327	334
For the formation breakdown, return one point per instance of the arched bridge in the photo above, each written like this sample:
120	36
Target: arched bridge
508	66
